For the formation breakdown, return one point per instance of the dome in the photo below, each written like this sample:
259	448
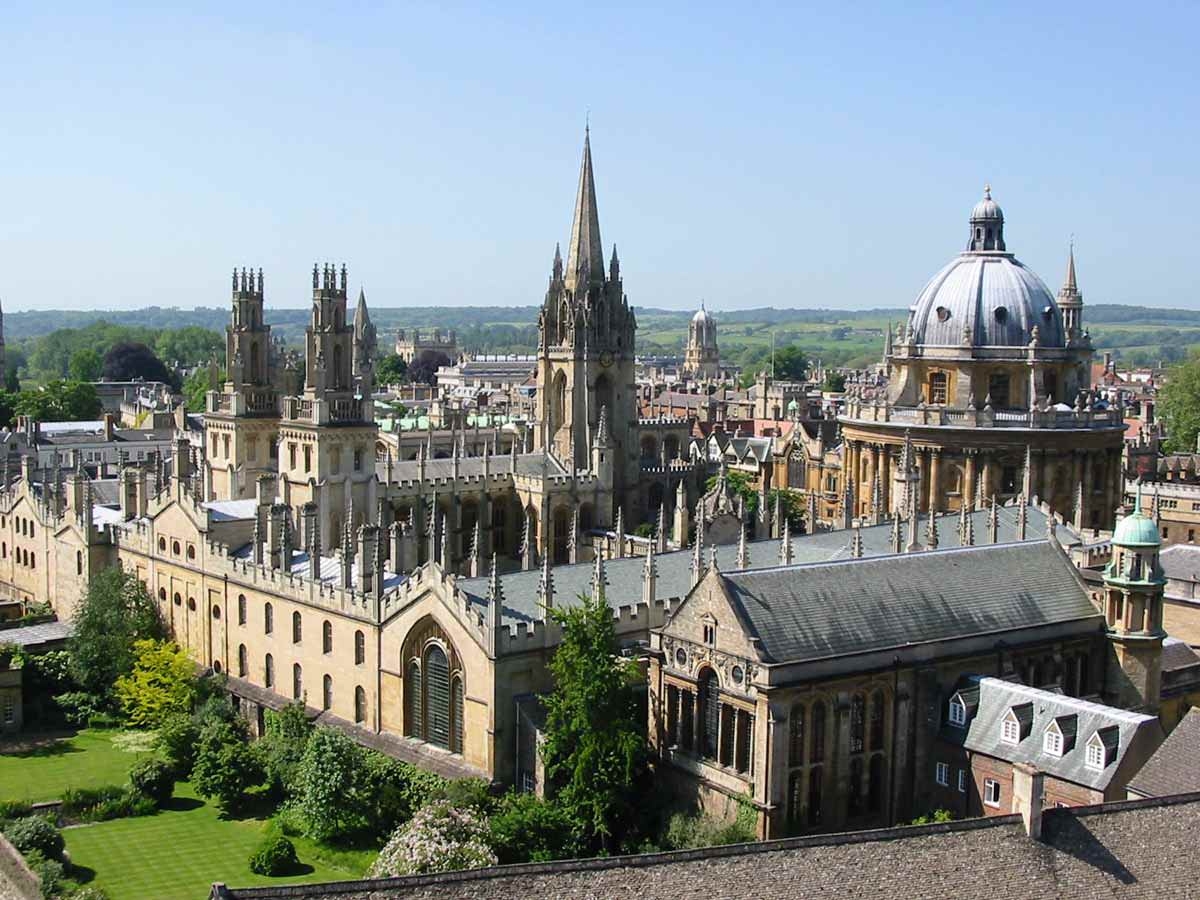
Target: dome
987	208
986	300
702	317
1136	530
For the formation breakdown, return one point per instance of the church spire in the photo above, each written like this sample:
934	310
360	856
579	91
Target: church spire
585	254
1070	301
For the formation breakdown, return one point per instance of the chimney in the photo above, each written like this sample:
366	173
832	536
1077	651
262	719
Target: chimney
1029	796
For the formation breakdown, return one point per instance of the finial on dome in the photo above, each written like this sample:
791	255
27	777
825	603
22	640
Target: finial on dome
987	191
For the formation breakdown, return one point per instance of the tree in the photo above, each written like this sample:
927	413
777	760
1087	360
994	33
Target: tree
740	483
283	745
594	747
162	682
327	782
1179	405
85	365
225	764
439	838
59	401
790	363
526	828
835	382
196	387
424	368
391	370
131	360
116	611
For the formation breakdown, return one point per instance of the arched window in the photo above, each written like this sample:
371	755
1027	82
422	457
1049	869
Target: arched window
326	636
327	692
33	565
796	743
360	648
269	671
216	611
268	618
876	730
710	711
78	562
857	722
360	705
795	799
814	789
191	552
875	784
297	628
412	697
178	599
297	682
162	594
456	714
818	732
241	660
241	609
175	547
437	696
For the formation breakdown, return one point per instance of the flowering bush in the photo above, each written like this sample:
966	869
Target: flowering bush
439	838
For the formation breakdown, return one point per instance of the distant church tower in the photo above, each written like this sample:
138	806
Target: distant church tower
327	433
241	421
701	358
585	347
1133	611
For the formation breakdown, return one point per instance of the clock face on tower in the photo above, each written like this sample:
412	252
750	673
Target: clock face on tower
606	359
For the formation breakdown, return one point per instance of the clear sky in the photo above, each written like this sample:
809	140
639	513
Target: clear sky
748	154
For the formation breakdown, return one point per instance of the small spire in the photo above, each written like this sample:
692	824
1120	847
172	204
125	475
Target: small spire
743	554
931	531
1071	284
897	537
785	543
969	536
712	558
546	585
993	522
1022	516
598	579
856	543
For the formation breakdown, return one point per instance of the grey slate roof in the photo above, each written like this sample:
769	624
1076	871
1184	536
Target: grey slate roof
803	613
36	635
1077	719
1175	766
674	580
500	463
1181	562
1140	849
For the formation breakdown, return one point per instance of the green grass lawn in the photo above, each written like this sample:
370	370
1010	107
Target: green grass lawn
42	769
182	850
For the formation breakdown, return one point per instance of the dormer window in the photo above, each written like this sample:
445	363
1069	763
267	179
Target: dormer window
1010	728
1052	741
957	713
1095	753
1102	747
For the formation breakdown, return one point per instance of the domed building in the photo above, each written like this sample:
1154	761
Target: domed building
990	377
702	358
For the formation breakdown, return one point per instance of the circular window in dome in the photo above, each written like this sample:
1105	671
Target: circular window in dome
681	658
942	313
1001	314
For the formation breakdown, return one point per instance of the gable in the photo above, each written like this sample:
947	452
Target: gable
708	604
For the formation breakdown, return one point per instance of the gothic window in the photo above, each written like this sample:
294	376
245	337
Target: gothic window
857	711
297	628
875	784
326	636
937	387
241	660
241	609
297	681
225	445
307	458
814	796
672	716
854	787
796	786
358	460
710	710
268	618
412	694
269	671
327	692
437	696
876	729
338	380
818	732
78	562
796	743
687	711
360	648
1008	480
360	705
456	714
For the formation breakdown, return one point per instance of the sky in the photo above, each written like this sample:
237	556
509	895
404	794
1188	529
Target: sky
745	154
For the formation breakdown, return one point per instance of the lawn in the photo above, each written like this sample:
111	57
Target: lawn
41	769
182	850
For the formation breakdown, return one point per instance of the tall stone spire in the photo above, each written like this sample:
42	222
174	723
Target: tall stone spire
743	554
585	254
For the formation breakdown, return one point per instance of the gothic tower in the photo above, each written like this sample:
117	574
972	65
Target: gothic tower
1070	301
241	421
585	346
1133	612
327	433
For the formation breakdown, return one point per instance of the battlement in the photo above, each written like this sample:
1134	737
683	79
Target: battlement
247	284
677	466
328	285
663	421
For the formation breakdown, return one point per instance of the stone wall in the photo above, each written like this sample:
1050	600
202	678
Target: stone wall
17	882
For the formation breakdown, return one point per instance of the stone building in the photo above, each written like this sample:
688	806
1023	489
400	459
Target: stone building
991	375
411	344
702	359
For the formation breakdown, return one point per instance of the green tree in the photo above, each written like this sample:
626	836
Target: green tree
115	612
834	381
162	682
196	387
790	363
226	766
327	783
282	747
391	370
595	744
1179	405
84	365
526	828
59	401
740	482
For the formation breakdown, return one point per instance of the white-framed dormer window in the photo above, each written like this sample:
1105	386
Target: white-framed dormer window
942	773
991	792
957	711
1095	753
1052	740
1010	728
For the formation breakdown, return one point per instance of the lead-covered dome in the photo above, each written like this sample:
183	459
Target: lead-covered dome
986	297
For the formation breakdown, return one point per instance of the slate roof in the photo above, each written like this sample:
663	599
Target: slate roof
498	464
1141	849
1077	719
1181	562
674	569
803	613
1175	766
36	635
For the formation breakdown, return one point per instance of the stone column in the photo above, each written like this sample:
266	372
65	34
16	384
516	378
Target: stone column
885	477
935	471
968	492
985	474
923	469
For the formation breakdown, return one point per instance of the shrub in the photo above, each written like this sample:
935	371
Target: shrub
103	721
938	815
49	871
290	819
526	828
690	832
225	764
391	791
89	892
439	838
282	747
466	792
161	683
113	801
35	834
153	778
276	855
14	809
178	736
328	784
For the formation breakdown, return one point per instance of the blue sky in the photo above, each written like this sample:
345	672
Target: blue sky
748	154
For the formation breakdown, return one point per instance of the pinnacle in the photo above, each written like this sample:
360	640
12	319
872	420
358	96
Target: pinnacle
585	254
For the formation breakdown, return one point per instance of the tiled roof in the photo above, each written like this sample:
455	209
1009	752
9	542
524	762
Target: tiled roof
1138	849
35	635
802	613
1175	766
